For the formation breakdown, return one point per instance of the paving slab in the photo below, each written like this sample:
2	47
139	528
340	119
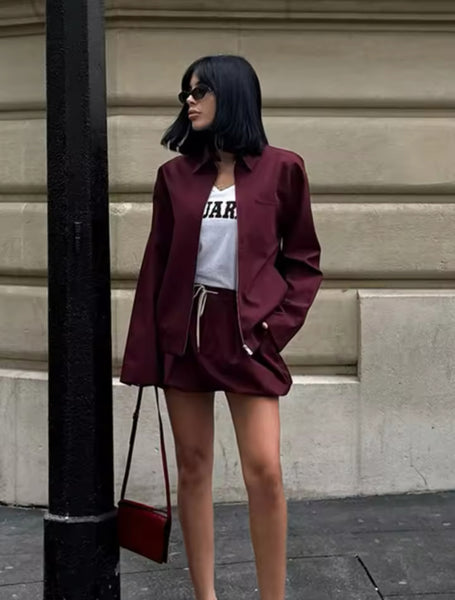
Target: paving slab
406	544
366	543
21	530
21	568
422	597
156	585
328	578
413	563
338	578
22	591
326	527
374	513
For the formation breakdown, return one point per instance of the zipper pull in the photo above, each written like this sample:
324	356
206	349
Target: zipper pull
247	349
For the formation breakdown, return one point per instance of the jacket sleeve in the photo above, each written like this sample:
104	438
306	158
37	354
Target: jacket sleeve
299	256
141	362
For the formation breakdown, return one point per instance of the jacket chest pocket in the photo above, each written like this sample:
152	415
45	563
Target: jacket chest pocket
263	221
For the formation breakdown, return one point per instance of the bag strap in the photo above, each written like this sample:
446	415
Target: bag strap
163	449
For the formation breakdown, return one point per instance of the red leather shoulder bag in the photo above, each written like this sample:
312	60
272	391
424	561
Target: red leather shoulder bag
144	529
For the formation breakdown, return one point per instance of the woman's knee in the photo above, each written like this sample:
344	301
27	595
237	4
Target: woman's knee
194	465
263	478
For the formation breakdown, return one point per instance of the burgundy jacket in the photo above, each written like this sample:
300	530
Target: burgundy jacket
278	257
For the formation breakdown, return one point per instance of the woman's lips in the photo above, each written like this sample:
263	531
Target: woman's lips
193	115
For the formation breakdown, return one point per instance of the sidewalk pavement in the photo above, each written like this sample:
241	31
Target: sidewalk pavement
381	547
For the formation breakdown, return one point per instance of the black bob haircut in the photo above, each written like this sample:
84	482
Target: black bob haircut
237	126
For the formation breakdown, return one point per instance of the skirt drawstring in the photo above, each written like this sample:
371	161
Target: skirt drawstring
201	294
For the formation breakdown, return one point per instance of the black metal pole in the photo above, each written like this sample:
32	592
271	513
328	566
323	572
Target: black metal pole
80	541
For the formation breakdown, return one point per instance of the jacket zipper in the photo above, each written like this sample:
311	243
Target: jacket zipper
244	345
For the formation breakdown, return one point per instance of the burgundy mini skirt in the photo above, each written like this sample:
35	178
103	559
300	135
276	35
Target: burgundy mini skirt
214	358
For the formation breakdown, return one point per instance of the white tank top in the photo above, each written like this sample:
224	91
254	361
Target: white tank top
217	255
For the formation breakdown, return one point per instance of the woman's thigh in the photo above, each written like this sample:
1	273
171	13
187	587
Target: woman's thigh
192	422
257	427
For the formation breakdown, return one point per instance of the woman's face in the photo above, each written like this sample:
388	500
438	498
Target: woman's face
201	112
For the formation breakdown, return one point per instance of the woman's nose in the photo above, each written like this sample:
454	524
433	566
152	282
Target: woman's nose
190	100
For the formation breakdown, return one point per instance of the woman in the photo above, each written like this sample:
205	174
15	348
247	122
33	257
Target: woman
230	271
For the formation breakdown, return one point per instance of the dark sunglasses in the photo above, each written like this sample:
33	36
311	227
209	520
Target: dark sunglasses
198	92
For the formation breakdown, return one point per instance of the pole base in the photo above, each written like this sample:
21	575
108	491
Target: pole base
81	558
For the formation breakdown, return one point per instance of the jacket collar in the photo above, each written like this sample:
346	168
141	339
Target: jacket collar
249	161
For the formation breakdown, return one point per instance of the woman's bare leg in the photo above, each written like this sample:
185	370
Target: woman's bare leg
257	427
192	423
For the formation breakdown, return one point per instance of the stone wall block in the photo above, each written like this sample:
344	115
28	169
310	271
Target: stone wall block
407	390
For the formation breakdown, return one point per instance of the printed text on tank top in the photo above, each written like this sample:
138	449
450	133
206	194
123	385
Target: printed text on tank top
217	256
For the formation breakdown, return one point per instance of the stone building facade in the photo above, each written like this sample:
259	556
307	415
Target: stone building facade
365	92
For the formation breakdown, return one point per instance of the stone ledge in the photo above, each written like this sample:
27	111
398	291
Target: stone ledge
343	154
290	7
319	71
329	336
375	241
441	12
406	389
